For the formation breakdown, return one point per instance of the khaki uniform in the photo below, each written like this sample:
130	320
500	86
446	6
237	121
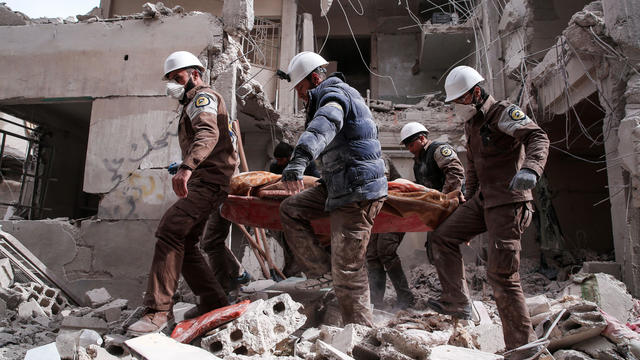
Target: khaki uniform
501	141
350	230
208	147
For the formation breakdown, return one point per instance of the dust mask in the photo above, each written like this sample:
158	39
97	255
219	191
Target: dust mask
174	90
464	112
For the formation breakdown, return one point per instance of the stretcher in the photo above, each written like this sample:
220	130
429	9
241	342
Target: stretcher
255	201
264	213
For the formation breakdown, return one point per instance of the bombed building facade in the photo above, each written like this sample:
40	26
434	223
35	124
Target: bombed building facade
88	130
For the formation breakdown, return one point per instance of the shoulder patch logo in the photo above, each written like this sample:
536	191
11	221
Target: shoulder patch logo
446	151
202	101
516	114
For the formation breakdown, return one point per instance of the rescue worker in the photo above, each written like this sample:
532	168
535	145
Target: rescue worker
436	164
340	131
382	259
507	152
282	154
209	159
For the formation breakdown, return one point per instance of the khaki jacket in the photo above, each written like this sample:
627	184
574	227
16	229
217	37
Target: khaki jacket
502	139
207	138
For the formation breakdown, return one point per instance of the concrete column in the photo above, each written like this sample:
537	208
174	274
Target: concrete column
622	19
105	6
287	51
307	32
493	51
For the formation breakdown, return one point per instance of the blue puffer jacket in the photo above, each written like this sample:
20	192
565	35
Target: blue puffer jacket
340	132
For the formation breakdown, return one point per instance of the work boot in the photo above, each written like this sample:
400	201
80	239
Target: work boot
461	311
208	302
399	281
320	282
377	283
151	322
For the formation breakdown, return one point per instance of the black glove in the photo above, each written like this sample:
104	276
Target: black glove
525	179
295	168
173	168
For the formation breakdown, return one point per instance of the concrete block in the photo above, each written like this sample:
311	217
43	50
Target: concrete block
161	347
328	332
259	329
6	273
237	16
580	322
98	297
413	342
537	304
328	351
112	311
45	352
488	337
11	298
30	309
448	352
604	290
50	299
599	347
179	309
79	323
571	355
607	267
352	335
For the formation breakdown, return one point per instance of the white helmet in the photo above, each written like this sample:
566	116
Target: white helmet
180	60
411	129
460	80
302	65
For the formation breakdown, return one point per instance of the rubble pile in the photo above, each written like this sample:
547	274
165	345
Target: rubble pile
591	317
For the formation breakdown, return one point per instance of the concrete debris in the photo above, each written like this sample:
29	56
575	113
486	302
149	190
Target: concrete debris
259	329
9	17
537	305
11	297
6	273
92	323
571	355
238	16
45	352
607	267
112	311
580	322
603	289
161	347
599	348
328	351
68	341
97	297
29	309
49	299
448	352
414	343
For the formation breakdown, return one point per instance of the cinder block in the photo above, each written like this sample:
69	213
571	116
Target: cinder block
6	273
97	297
448	352
258	330
29	309
50	299
79	323
537	305
579	323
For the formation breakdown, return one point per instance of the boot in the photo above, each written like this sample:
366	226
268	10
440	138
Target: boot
377	283
151	322
208	302
399	281
461	311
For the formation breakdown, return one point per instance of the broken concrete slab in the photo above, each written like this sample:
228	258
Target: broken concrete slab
6	273
537	304
599	347
161	347
571	355
488	337
328	351
414	343
11	298
608	267
604	290
97	297
30	309
264	324
79	323
112	311
45	352
237	16
352	335
448	352
3	308
580	322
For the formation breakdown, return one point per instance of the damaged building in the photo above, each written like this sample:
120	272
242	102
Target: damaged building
88	133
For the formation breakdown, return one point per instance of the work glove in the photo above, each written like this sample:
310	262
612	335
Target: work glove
295	168
173	168
525	179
